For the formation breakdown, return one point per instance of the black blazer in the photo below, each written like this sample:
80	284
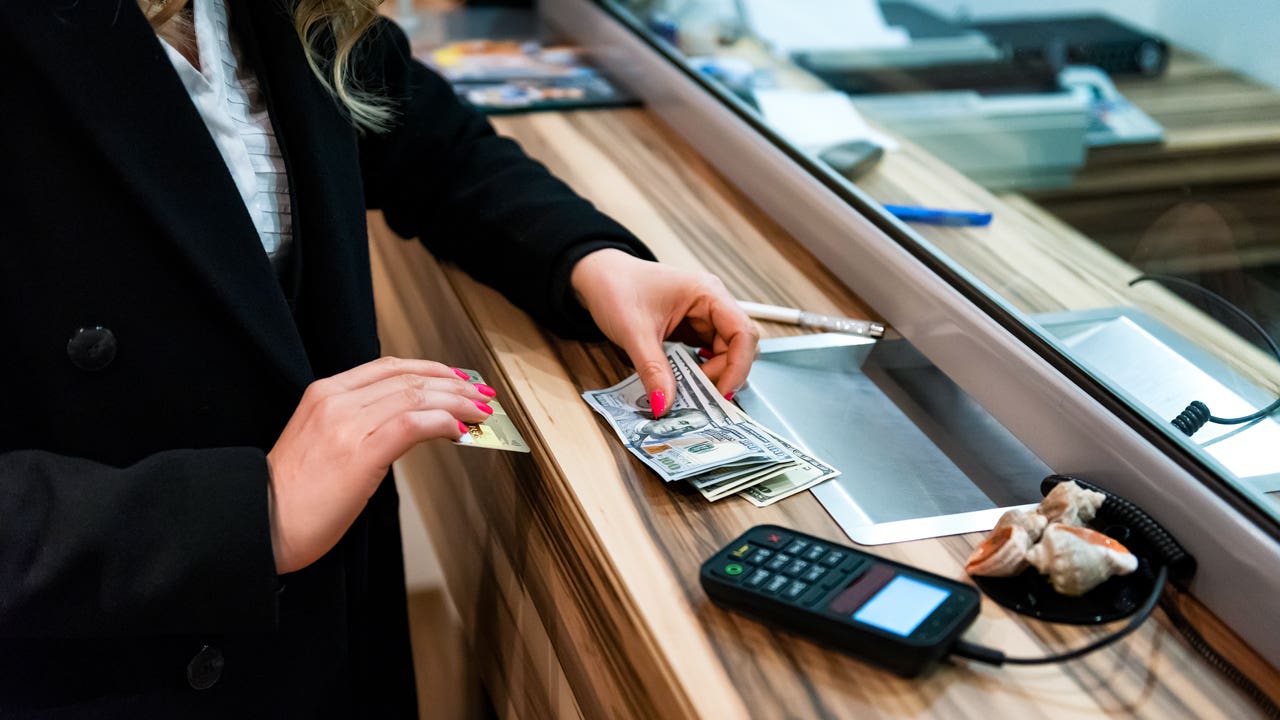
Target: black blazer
151	357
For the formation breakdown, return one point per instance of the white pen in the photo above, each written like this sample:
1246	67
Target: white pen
793	316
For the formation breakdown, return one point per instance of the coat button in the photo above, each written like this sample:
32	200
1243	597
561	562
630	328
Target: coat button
205	668
92	348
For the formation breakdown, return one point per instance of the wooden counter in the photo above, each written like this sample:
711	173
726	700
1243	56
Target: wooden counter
574	569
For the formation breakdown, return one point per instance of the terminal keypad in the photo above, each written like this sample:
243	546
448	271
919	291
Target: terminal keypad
797	569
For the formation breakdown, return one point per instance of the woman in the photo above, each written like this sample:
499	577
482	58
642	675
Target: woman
194	431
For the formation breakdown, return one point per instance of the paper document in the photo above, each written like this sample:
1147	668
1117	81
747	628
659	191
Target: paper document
815	121
806	25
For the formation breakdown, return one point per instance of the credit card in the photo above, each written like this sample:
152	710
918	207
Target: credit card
496	433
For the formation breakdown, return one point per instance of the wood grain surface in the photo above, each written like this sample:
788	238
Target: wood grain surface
575	569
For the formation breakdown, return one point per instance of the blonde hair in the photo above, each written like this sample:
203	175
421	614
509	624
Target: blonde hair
317	22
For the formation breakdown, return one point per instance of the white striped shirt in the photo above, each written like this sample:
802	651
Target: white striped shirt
226	94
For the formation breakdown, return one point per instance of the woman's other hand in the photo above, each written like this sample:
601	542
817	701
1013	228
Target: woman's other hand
638	304
343	437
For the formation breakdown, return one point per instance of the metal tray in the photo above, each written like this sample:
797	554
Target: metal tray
919	457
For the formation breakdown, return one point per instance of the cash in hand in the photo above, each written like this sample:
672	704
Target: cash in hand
705	440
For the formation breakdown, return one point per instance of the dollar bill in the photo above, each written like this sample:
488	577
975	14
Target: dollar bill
807	472
706	440
495	433
700	433
739	484
768	488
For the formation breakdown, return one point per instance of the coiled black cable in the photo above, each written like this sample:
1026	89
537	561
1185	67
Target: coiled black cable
1197	413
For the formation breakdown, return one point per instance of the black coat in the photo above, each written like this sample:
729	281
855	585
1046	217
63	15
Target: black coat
135	560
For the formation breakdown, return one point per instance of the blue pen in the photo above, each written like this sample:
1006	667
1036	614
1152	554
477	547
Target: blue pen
934	216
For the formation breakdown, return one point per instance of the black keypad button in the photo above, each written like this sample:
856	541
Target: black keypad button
778	562
760	556
853	565
813	574
757	577
798	546
930	627
795	590
770	538
775	584
796	567
833	558
815	553
815	595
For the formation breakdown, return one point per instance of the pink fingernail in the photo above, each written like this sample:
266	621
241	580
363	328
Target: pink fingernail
486	390
658	403
462	428
461	374
729	396
484	408
705	353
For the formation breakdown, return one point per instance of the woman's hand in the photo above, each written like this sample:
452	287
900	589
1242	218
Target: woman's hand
638	304
343	437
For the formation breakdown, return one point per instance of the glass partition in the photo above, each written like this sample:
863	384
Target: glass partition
1104	175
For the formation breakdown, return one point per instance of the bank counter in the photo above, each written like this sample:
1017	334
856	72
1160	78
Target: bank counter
575	570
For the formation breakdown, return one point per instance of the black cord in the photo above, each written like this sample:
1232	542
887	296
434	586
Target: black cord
1224	666
991	656
1197	413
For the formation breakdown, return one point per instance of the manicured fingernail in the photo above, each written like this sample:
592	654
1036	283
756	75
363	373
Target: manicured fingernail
484	408
705	353
729	396
461	374
462	428
658	403
486	390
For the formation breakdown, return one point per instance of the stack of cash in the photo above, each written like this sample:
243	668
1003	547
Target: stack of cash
706	440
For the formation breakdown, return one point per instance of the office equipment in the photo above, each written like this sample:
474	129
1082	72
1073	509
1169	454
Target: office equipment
1113	119
794	25
1003	141
899	617
933	40
1096	40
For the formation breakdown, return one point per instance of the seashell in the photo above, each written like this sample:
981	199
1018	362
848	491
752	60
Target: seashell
1070	504
1078	559
1032	522
1002	554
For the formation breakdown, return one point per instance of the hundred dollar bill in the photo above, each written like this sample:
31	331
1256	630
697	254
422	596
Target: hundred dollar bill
740	483
726	474
495	433
697	435
806	473
770	487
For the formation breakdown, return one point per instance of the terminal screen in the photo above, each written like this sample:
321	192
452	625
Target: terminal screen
901	605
